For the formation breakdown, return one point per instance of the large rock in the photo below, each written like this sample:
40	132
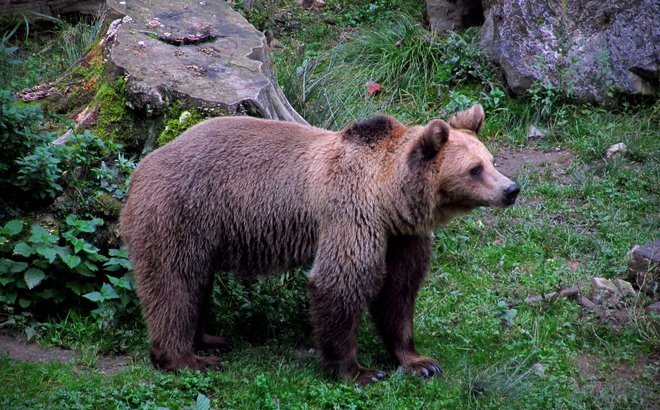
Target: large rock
201	53
41	9
591	49
447	15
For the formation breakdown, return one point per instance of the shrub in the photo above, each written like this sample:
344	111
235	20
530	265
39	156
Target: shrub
20	135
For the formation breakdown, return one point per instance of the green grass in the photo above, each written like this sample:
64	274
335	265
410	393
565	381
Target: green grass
564	231
63	42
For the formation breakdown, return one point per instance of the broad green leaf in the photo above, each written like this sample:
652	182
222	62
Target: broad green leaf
71	260
30	332
23	249
114	264
24	302
72	219
109	292
74	285
9	266
119	253
5	280
93	296
33	277
39	234
46	294
202	403
47	252
11	297
13	227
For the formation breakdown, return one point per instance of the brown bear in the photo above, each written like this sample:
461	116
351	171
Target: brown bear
253	196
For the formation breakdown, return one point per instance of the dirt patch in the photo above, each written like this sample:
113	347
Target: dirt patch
511	162
21	350
639	380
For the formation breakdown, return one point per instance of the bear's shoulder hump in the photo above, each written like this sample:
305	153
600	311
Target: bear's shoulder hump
372	130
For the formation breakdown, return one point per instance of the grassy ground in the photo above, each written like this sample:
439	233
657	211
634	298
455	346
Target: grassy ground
575	220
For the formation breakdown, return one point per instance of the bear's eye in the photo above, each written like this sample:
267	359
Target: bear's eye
476	171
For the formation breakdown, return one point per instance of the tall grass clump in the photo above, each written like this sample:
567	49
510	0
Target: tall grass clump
421	75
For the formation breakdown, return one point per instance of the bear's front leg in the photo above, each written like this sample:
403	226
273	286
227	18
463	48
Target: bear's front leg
408	259
346	275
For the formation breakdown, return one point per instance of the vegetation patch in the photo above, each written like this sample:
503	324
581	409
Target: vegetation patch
65	280
179	121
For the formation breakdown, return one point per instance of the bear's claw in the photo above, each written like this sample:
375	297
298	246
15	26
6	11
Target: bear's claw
364	376
424	366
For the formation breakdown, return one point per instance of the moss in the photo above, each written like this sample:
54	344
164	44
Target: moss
78	85
115	121
178	121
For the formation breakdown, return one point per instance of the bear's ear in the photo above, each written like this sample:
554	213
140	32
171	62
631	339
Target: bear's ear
471	119
432	138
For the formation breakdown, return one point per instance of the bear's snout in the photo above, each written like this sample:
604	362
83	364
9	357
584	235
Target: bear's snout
511	193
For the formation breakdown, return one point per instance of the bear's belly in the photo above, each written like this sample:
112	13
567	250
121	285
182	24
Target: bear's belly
275	246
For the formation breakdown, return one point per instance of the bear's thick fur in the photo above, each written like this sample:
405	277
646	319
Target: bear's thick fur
253	196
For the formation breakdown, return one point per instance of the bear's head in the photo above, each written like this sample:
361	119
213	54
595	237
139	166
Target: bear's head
457	167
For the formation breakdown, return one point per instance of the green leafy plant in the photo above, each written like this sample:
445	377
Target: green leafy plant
20	135
274	306
59	266
543	97
39	172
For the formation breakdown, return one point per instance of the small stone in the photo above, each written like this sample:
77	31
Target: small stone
539	369
624	288
644	266
184	115
535	132
603	284
609	293
615	149
604	292
153	23
654	308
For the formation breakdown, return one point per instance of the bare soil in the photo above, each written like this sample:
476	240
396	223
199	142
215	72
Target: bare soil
512	162
21	350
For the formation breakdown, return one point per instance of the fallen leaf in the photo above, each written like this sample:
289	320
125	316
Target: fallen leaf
372	87
398	43
573	265
311	3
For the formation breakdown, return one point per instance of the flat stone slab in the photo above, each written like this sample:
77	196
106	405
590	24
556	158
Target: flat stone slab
201	52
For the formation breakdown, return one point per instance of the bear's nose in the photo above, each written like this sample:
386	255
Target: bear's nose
511	193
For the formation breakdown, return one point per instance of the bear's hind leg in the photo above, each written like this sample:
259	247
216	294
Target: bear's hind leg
203	340
408	259
172	303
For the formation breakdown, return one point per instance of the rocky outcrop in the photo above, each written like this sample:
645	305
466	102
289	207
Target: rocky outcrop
590	49
447	15
37	9
200	53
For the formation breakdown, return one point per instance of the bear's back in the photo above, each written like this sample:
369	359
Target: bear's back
235	184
